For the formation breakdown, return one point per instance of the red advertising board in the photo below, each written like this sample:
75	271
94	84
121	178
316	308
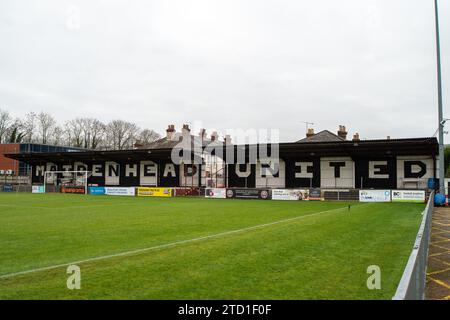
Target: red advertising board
73	189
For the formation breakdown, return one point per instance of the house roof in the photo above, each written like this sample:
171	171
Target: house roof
322	136
170	143
298	150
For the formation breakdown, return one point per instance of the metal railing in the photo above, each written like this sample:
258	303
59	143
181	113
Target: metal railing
412	283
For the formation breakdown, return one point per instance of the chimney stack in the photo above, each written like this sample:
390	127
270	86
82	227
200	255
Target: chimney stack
356	137
342	132
310	132
388	137
186	130
202	134
170	131
227	139
214	136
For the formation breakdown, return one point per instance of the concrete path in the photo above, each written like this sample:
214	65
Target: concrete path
438	272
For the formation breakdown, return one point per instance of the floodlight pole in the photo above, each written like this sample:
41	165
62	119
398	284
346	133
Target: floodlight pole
441	116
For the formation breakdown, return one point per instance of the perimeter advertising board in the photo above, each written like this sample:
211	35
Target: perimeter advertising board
290	194
154	192
37	189
73	189
8	188
219	193
120	191
185	191
263	194
315	194
408	196
375	195
97	190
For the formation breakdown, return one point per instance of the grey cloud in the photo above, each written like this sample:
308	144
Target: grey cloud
230	64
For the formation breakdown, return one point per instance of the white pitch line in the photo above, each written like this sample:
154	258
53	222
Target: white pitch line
167	245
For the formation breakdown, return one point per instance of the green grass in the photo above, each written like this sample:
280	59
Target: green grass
323	255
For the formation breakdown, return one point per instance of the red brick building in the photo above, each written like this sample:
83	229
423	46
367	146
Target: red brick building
7	165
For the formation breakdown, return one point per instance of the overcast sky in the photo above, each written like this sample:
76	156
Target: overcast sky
367	64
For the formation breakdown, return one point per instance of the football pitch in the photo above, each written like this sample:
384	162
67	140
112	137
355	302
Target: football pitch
196	248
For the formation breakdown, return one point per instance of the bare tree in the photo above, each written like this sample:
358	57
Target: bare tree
57	137
97	134
147	136
84	133
29	125
93	132
80	132
120	135
46	125
5	121
74	132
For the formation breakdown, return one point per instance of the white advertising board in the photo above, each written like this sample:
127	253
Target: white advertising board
408	196
37	189
287	194
120	191
220	193
375	195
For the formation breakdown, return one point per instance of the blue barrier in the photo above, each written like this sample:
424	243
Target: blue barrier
432	183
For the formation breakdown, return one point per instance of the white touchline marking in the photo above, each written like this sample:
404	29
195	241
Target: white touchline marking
167	245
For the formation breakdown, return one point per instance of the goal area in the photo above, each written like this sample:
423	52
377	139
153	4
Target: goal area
66	181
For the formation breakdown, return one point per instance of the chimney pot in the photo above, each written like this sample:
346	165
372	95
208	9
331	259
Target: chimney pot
214	136
342	132
227	139
170	131
310	132
186	131
202	133
356	137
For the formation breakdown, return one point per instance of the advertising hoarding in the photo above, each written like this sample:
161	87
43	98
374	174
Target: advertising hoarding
185	191
96	190
8	188
375	195
37	189
154	192
219	193
315	194
263	194
408	196
120	191
290	194
73	189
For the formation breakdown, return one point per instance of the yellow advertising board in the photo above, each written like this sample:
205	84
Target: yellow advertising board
154	192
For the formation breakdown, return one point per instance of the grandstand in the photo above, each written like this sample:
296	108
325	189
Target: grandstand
323	160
